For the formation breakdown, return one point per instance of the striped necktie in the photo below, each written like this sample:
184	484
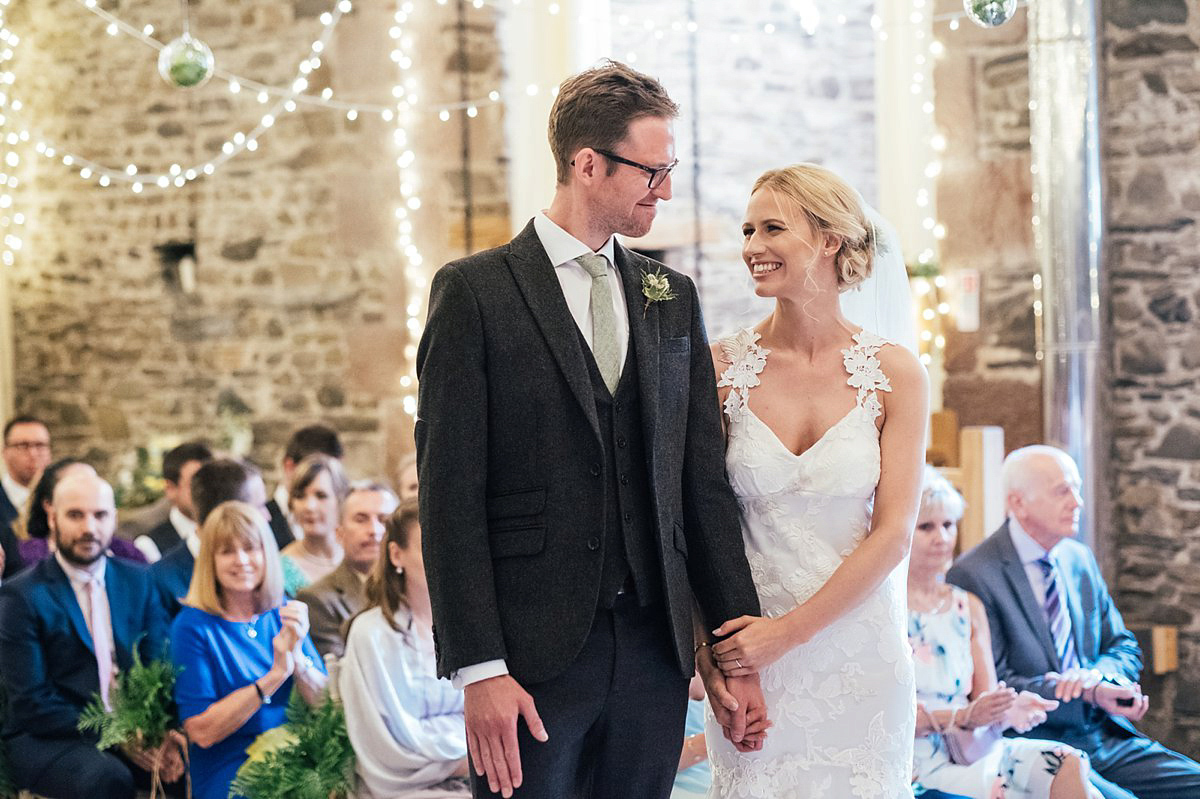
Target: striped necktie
1057	618
605	348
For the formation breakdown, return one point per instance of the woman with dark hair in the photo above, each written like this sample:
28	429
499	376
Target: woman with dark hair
315	500
405	724
32	527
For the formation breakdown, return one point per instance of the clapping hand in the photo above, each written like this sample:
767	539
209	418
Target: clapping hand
1070	684
1028	711
1121	700
989	708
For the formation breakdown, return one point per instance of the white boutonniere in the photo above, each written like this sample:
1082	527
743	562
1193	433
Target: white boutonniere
655	288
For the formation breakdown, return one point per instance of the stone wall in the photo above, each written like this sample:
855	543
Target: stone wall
770	93
984	199
298	310
1151	62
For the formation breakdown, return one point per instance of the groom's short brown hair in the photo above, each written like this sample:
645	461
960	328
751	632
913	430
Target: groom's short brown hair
595	108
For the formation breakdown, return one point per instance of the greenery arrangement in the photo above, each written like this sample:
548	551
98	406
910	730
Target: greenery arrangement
141	484
143	710
310	757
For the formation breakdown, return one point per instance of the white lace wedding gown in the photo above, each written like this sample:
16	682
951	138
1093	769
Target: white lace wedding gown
842	704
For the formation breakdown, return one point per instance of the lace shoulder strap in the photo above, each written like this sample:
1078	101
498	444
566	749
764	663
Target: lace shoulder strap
865	373
746	361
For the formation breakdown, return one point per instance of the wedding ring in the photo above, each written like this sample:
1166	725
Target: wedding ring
738	662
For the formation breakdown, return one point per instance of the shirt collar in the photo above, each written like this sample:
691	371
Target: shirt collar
563	248
80	576
281	499
17	493
1028	550
182	524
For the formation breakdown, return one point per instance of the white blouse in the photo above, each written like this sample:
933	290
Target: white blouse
405	724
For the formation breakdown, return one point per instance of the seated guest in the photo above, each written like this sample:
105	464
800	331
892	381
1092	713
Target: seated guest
219	480
407	483
33	526
26	453
315	439
342	593
239	649
956	680
1056	632
406	725
67	626
318	486
178	466
695	776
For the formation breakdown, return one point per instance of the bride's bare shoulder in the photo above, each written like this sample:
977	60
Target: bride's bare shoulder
903	370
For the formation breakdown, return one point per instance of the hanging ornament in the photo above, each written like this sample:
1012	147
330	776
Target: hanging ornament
990	13
186	62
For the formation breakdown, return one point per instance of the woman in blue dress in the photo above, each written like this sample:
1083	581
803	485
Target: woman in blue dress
240	651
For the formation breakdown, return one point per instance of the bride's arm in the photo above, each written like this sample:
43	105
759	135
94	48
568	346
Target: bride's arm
759	642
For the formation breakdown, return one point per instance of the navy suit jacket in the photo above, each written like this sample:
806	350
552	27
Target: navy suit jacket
1021	642
8	511
280	525
172	575
47	659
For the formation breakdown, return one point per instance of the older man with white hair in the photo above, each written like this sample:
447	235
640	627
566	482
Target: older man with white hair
1056	631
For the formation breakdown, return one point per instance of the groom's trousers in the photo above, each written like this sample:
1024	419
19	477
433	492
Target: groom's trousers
615	717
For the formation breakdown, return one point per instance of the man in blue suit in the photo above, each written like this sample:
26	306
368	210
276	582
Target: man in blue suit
1056	632
216	481
67	627
26	453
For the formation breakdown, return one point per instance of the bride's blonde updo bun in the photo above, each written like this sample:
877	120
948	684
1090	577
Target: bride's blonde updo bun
831	206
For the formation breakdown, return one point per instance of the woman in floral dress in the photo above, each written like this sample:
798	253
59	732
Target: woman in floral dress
956	680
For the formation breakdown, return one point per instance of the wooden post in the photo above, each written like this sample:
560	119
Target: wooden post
981	452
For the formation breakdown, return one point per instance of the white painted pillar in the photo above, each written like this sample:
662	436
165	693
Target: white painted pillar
540	51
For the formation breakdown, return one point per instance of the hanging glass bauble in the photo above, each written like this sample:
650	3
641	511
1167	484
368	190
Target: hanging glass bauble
990	13
186	62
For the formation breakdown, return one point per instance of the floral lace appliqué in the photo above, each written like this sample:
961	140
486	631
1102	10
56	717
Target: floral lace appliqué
746	361
865	373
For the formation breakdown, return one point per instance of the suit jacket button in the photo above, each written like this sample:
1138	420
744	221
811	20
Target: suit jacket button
624	479
593	543
595	470
620	441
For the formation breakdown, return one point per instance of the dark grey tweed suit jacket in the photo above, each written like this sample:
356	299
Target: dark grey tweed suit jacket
510	461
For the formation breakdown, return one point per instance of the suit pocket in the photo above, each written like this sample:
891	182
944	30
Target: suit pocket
510	504
513	541
680	540
680	344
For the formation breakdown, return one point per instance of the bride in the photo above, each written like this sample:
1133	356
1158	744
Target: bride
825	425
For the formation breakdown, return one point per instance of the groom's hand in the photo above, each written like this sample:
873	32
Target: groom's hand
491	708
739	710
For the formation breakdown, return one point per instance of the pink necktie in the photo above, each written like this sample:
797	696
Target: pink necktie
100	637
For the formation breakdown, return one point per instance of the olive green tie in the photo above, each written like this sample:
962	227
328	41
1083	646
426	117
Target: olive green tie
604	321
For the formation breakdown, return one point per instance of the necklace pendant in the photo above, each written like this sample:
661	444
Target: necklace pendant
251	632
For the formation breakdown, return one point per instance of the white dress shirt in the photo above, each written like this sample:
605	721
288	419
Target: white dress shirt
17	493
562	248
1030	552
183	526
284	500
79	578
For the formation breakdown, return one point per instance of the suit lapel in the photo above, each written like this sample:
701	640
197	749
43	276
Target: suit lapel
1070	594
64	594
534	274
644	333
119	611
1014	572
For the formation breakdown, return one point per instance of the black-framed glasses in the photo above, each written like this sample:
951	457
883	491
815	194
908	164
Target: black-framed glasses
29	446
657	174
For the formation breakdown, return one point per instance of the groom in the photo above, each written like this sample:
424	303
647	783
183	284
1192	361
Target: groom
573	493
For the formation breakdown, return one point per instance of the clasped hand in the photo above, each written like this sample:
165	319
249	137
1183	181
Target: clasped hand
754	643
737	702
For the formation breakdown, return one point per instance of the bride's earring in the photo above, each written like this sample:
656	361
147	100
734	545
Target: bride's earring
399	570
